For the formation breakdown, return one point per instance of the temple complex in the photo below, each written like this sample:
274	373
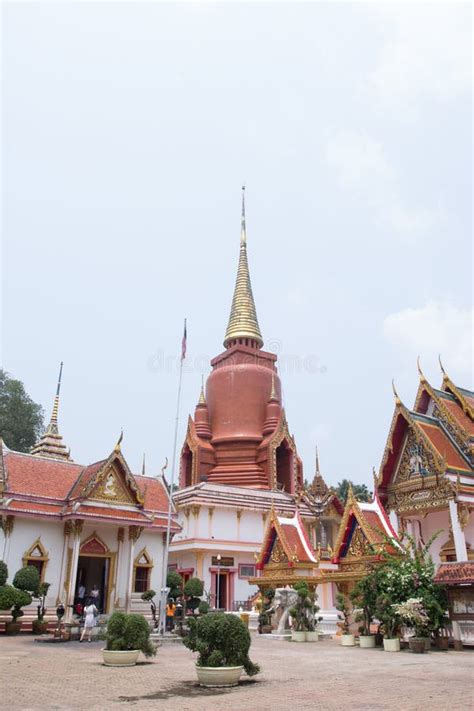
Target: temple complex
82	525
239	461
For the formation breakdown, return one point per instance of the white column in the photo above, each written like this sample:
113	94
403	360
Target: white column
76	545
8	525
458	533
134	533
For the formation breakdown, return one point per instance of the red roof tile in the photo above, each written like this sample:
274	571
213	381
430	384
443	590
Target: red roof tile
34	507
38	476
295	543
87	475
459	414
156	498
444	446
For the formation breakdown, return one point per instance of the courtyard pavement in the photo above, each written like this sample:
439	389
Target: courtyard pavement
322	675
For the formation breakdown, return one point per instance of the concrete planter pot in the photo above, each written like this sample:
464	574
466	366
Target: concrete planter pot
298	636
12	627
312	636
417	645
218	676
391	644
38	627
127	658
367	641
348	640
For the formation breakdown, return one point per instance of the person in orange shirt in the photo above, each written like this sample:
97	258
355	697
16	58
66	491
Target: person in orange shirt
170	612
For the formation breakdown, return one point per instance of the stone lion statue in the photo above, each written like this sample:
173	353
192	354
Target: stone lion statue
284	600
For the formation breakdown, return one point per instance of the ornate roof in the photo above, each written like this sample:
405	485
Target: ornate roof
376	532
59	489
287	537
243	322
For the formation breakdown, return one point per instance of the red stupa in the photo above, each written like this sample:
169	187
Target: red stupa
239	435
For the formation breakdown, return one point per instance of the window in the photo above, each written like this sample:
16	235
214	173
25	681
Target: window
142	579
142	572
224	562
247	570
37	556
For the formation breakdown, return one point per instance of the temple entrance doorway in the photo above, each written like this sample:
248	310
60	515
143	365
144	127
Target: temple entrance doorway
221	590
94	570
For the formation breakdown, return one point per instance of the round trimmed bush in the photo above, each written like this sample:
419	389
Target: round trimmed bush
27	578
126	632
3	572
194	587
220	641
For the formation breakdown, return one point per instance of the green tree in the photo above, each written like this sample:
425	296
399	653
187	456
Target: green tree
174	582
21	419
361	491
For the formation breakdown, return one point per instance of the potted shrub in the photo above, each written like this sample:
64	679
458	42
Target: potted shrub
364	597
126	636
40	626
347	639
302	614
149	596
222	643
390	623
413	614
13	600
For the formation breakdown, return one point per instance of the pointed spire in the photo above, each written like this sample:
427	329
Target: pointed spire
243	322
119	441
202	397
143	465
50	443
420	372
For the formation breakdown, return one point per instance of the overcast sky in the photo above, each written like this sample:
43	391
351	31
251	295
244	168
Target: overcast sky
127	131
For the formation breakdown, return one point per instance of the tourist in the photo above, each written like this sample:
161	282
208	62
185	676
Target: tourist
90	612
95	594
170	612
81	593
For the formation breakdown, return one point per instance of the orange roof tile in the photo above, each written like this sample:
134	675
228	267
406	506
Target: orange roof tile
443	445
457	411
38	476
156	498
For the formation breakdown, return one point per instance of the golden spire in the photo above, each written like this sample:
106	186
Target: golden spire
243	321
50	443
119	442
317	462
202	397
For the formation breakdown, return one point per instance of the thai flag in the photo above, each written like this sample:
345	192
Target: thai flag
183	342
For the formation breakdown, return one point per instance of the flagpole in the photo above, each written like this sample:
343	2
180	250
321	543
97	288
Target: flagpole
164	572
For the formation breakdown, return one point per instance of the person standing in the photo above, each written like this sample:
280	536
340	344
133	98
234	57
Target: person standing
170	611
90	612
95	595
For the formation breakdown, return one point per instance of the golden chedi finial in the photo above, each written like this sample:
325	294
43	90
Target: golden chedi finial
243	322
50	444
202	397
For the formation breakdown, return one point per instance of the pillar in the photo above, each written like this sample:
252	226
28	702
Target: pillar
458	533
8	524
134	533
71	572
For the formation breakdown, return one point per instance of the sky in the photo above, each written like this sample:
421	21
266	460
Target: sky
127	131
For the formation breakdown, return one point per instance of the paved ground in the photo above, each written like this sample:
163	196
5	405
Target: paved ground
322	676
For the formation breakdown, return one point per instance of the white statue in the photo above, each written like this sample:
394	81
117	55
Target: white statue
284	600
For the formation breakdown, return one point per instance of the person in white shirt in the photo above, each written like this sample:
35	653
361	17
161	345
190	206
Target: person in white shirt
90	612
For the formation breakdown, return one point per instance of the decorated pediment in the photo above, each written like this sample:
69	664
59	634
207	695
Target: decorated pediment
93	546
285	543
417	461
110	481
